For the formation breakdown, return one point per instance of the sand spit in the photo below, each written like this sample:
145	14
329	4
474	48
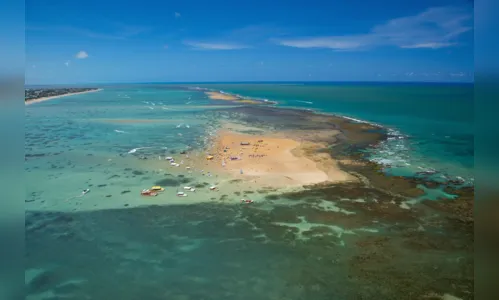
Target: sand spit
220	96
227	97
29	102
273	159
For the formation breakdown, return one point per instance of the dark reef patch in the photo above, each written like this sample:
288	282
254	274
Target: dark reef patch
201	185
172	181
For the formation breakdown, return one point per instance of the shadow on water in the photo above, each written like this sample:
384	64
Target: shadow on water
211	251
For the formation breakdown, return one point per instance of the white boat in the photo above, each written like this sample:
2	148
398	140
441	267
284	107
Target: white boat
187	187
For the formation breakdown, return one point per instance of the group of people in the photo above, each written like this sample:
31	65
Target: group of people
257	155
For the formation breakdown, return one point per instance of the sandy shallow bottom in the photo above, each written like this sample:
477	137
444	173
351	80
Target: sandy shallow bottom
272	161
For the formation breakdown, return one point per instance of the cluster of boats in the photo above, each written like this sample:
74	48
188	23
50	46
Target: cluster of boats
152	191
155	190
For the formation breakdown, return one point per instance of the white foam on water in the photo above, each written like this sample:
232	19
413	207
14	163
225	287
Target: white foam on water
135	149
360	121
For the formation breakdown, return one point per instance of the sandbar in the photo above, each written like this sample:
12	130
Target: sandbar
221	96
38	100
272	159
228	97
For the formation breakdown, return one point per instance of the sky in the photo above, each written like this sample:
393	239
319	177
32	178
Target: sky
76	42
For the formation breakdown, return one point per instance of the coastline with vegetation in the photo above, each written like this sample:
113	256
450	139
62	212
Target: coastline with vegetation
43	94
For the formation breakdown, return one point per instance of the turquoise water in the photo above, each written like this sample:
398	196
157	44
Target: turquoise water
431	125
113	243
114	142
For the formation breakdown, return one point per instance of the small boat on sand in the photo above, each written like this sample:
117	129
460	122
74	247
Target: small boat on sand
247	201
157	188
181	194
148	193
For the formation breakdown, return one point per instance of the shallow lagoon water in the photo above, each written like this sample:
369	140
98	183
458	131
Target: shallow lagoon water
294	246
115	146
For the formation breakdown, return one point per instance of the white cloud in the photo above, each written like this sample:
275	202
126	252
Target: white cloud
215	45
67	63
112	31
429	45
81	55
437	27
339	43
177	15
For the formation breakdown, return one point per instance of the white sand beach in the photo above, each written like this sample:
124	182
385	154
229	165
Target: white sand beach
29	102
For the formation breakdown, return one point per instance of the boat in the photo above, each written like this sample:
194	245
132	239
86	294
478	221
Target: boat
181	194
148	193
247	201
157	188
213	188
187	188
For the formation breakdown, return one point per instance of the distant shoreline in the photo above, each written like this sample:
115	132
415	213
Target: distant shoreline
38	100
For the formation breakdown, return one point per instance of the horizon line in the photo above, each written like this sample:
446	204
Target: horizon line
250	81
